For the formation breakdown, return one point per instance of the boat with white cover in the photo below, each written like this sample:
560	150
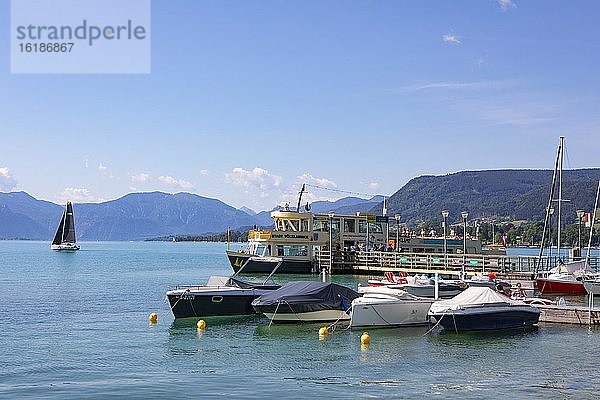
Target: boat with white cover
481	308
387	307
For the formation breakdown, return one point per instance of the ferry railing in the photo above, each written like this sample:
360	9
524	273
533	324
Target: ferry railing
378	261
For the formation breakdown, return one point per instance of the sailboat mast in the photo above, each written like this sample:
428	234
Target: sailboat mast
300	197
593	219
547	232
560	185
62	236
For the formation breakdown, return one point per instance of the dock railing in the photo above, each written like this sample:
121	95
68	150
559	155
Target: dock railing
379	261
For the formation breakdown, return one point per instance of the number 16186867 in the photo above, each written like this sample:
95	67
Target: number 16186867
46	47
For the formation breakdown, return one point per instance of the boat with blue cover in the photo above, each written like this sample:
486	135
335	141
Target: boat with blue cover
307	301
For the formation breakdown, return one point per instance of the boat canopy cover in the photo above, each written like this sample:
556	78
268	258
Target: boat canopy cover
472	296
307	296
250	285
215	280
577	268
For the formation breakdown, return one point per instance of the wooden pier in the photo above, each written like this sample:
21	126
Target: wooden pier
521	269
377	262
572	315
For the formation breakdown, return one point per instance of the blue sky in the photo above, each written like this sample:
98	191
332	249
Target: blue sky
246	100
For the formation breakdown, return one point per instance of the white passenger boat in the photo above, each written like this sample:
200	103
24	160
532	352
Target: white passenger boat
387	307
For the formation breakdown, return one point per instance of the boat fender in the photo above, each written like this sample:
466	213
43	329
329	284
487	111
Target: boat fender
365	339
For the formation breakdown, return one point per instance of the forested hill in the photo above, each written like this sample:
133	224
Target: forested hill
511	194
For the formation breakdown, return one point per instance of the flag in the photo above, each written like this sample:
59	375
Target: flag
587	218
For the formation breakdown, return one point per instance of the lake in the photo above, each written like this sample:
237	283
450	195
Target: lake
75	325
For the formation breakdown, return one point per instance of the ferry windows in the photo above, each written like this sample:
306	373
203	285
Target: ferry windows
374	227
349	225
294	224
362	226
291	225
304	225
292	250
320	226
279	225
262	251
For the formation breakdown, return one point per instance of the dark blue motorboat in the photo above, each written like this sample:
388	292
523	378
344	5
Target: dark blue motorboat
481	308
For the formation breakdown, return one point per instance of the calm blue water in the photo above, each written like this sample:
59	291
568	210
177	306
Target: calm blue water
76	326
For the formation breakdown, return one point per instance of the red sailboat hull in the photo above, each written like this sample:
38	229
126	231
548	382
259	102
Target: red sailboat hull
552	286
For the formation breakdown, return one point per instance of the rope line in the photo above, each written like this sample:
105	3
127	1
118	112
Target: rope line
435	326
339	190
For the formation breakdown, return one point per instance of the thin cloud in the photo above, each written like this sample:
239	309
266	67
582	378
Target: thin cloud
7	182
505	5
449	38
77	195
482	85
141	177
312	180
102	168
257	178
205	172
178	183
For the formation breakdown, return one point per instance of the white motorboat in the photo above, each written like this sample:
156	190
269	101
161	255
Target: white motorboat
386	307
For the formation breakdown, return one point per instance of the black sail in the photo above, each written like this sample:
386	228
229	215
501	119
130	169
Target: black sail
59	231
69	230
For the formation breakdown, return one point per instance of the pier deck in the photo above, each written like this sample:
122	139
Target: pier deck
572	315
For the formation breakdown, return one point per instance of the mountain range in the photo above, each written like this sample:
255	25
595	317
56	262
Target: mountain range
495	194
139	216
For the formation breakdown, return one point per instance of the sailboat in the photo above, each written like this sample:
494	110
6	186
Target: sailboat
65	234
564	278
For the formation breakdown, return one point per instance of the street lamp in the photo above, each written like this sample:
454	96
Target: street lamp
465	215
445	214
580	214
330	214
397	218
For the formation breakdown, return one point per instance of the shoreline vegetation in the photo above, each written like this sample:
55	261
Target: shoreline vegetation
511	234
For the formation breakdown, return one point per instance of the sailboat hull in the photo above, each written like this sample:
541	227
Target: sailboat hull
546	286
64	247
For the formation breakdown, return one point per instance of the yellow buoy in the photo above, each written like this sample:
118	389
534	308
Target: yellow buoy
365	338
323	331
201	324
153	318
